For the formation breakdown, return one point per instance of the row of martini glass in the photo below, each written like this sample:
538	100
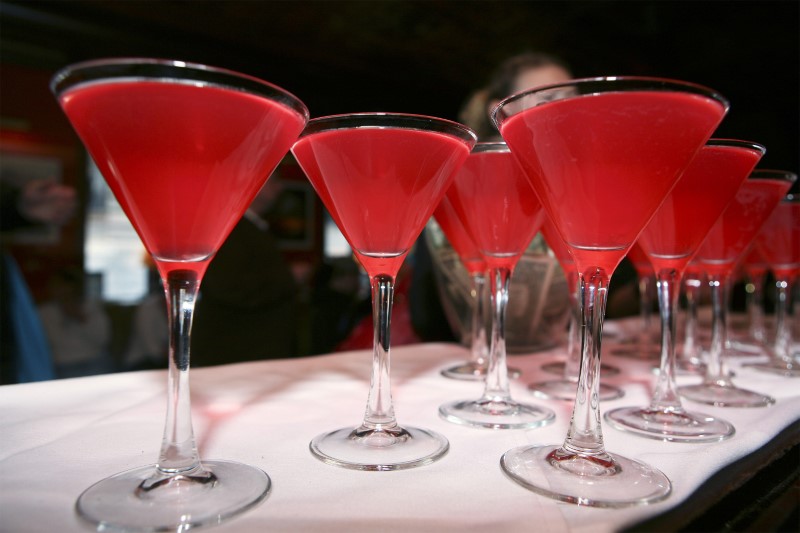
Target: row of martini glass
186	147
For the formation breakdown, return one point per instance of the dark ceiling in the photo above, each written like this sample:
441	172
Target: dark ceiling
427	56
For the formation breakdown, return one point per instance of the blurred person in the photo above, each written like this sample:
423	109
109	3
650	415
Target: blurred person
248	307
77	328
24	352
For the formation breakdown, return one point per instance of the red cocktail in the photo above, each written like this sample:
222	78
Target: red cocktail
670	240
755	201
493	199
380	176
185	148
602	155
475	265
779	244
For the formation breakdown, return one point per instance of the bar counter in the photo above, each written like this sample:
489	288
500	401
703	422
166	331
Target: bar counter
57	438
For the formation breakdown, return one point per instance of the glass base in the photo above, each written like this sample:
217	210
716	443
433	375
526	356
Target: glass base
606	371
673	425
609	481
119	503
496	414
364	448
689	366
472	371
727	395
789	370
563	389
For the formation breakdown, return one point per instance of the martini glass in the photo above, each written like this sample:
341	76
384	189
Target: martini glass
185	148
779	243
381	175
501	212
642	345
670	240
564	389
741	221
601	169
471	258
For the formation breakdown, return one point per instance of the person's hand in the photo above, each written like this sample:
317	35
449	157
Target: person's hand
47	202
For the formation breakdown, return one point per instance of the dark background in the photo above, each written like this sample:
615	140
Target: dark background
425	57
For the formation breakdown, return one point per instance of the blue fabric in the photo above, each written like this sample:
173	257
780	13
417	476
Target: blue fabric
34	362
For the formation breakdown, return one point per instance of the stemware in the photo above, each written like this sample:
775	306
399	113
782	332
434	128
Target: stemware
755	269
473	262
670	240
494	201
564	388
779	243
728	239
601	169
185	148
381	175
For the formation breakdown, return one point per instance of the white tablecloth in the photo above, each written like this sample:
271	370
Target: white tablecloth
57	438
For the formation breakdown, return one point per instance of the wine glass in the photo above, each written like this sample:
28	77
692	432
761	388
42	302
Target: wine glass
741	221
670	240
564	388
381	175
473	262
494	201
601	169
779	243
185	148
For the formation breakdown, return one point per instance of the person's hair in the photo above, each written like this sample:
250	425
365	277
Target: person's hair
501	84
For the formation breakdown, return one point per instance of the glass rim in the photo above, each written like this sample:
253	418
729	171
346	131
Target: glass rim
619	84
772	174
105	70
491	146
387	120
737	143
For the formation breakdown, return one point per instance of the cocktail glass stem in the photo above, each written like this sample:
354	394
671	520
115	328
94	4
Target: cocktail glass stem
179	457
783	328
645	284
478	331
497	387
585	436
692	352
716	367
755	306
380	410
665	397
717	387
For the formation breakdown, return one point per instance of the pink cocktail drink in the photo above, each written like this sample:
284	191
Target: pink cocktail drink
727	240
173	154
779	244
670	240
475	265
493	199
185	148
381	176
602	155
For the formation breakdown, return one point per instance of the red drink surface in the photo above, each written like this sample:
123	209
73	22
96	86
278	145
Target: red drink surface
497	205
708	185
183	161
380	185
603	163
739	224
458	237
779	240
